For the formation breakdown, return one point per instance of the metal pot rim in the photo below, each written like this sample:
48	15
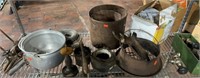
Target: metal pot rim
110	59
123	16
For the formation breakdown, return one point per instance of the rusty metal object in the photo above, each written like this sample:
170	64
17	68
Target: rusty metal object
69	70
78	55
13	60
2	49
14	49
7	36
13	56
140	67
16	66
85	69
5	64
17	17
133	41
103	60
106	19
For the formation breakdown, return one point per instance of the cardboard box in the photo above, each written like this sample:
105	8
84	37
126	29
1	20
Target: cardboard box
159	31
188	58
196	32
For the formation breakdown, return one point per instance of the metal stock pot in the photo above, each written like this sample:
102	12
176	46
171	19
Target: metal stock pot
42	48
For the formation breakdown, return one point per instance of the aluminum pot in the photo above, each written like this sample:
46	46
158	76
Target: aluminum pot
42	48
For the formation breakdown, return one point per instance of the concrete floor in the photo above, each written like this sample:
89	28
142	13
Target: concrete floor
56	15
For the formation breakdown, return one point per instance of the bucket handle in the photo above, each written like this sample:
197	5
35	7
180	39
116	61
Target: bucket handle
129	30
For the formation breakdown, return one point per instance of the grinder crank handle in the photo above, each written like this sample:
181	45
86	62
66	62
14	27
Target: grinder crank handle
16	67
85	68
138	48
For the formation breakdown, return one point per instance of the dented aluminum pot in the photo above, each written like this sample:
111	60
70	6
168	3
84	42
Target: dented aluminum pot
140	67
102	60
42	48
106	20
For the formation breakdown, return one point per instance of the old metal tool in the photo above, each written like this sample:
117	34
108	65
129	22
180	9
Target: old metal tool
139	67
16	66
15	49
7	59
78	55
69	70
7	36
13	55
5	64
175	59
2	49
103	60
13	63
85	69
106	19
132	40
17	17
13	60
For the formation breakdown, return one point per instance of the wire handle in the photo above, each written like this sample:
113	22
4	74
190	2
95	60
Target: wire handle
129	30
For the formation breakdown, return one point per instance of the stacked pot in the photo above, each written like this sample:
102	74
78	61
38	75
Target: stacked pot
107	33
107	23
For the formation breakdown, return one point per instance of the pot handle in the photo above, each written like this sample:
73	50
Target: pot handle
33	55
37	56
16	67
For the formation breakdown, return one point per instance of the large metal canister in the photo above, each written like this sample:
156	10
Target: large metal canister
106	20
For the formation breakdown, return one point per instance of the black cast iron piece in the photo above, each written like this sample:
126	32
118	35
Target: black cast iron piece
103	60
69	70
140	67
